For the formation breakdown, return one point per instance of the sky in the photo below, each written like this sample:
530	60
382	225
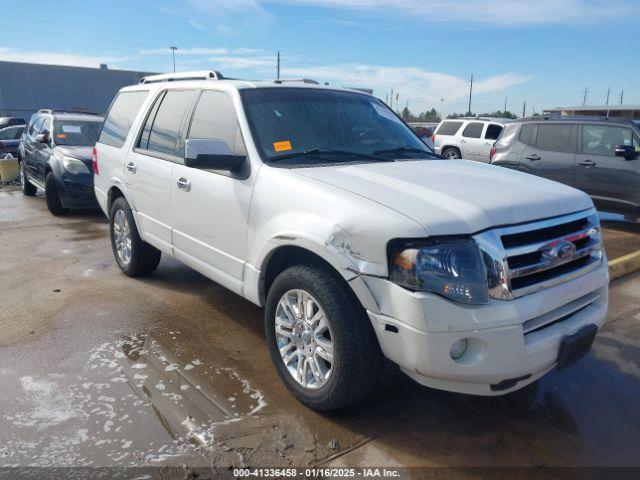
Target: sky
543	52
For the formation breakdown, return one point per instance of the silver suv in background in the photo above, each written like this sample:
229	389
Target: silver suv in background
468	138
600	156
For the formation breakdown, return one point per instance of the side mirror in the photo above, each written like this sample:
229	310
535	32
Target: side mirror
211	154
628	152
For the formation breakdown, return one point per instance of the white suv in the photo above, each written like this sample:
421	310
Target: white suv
321	205
468	138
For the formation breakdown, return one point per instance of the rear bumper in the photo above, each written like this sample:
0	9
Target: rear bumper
511	343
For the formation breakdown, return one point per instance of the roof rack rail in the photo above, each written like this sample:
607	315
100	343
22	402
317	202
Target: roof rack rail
296	80
78	111
183	76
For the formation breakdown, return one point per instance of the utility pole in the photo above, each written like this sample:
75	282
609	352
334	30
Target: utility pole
441	108
524	109
584	98
173	49
608	92
470	92
505	105
621	96
278	66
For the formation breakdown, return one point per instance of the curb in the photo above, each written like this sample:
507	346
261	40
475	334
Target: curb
621	266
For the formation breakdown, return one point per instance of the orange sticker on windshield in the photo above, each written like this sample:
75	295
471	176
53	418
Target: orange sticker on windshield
61	135
282	146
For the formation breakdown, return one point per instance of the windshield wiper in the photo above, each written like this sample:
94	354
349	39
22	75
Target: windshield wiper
319	151
405	149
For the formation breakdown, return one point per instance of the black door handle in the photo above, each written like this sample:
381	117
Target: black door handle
533	157
587	163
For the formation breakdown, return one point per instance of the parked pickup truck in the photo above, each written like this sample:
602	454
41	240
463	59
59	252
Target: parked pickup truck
321	205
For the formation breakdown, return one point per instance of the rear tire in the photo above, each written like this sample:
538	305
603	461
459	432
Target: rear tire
135	257
356	359
451	153
53	196
28	189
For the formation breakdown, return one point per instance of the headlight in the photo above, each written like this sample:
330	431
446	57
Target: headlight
73	165
451	267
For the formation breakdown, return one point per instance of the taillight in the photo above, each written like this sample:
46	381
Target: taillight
94	154
492	152
433	138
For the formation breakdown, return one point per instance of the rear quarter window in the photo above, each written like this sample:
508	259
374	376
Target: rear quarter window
120	117
448	128
507	135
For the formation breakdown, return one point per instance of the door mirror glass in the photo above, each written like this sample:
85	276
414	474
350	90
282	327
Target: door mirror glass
628	152
211	154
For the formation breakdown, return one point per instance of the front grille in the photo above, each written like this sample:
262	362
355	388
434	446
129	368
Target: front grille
527	258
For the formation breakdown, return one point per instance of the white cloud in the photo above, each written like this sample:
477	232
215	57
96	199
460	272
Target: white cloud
196	24
421	87
505	12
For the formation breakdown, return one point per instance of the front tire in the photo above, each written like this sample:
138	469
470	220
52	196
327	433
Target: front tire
28	189
53	196
135	257
320	338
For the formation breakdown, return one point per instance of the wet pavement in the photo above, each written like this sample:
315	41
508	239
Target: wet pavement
98	369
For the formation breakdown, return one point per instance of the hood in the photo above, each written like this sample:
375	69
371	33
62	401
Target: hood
453	197
81	153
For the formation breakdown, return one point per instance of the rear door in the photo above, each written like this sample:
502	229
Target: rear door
150	163
551	154
491	134
613	182
29	146
471	141
215	244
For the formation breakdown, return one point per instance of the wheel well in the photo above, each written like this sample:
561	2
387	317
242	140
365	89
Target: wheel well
285	257
448	147
114	192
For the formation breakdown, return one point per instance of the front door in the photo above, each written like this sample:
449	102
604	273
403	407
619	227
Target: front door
552	154
210	208
150	165
613	182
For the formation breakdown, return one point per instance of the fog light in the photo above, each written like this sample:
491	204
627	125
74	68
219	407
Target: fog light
458	348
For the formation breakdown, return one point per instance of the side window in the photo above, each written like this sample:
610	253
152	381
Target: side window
528	133
165	130
216	118
143	142
37	126
448	128
473	130
556	137
120	117
493	131
602	139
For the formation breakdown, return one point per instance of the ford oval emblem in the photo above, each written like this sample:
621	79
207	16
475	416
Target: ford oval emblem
560	251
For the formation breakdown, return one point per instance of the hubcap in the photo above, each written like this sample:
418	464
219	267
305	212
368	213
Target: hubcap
451	154
304	339
122	237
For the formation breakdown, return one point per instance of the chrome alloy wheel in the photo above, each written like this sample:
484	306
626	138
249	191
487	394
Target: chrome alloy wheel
304	339
22	175
451	154
122	236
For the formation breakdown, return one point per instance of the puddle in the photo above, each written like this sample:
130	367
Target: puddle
138	401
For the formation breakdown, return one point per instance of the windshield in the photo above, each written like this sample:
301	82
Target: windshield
77	133
286	121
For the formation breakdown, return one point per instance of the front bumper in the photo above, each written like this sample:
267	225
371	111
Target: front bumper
511	343
76	191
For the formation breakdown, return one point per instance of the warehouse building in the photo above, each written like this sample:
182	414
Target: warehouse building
28	87
622	111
